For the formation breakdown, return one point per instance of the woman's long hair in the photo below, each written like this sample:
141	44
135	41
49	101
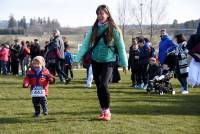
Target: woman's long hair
111	25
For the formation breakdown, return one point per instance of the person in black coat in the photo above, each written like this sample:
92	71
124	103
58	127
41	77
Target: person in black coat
153	69
143	62
193	45
133	62
35	49
15	49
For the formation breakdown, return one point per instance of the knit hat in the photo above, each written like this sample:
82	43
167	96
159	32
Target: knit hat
152	59
198	29
40	59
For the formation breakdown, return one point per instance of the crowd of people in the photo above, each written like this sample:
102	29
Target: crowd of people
16	58
40	66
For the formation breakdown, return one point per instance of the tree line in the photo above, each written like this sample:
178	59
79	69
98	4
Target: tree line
36	26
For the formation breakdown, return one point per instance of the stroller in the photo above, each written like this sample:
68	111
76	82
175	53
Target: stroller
161	84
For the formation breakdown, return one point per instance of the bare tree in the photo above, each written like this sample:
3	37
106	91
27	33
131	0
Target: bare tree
148	11
138	12
123	14
157	10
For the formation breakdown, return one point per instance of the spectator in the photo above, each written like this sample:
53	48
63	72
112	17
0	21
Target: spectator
35	49
116	75
133	62
58	43
193	46
166	45
15	49
153	69
182	63
4	57
143	62
68	64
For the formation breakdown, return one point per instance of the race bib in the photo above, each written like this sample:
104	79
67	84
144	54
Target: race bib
38	91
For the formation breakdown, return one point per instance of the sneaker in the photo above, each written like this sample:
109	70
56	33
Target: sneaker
145	86
107	117
45	113
88	85
101	116
140	86
181	89
67	80
36	115
185	92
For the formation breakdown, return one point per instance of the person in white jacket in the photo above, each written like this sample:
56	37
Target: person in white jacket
89	77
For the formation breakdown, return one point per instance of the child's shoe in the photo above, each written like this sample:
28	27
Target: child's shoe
136	86
36	115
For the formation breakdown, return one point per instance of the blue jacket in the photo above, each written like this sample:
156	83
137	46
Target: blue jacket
68	58
144	54
166	45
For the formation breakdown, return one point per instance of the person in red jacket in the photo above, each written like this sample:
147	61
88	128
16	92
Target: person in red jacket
4	57
38	78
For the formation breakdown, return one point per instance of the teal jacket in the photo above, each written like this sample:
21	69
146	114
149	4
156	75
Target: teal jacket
102	53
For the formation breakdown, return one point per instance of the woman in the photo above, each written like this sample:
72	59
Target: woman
182	63
104	55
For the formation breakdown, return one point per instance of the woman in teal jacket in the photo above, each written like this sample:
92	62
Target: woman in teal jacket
104	55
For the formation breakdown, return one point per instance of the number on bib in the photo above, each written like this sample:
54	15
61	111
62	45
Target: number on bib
38	91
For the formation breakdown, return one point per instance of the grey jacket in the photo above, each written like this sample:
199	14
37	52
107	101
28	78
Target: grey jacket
58	41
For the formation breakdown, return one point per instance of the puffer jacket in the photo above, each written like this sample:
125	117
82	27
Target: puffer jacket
42	79
4	54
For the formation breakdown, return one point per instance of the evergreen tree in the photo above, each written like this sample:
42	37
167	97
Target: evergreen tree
12	23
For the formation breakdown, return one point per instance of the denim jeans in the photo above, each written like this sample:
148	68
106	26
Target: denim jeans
60	69
4	67
183	81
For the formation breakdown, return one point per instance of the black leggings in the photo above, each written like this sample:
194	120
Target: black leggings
102	73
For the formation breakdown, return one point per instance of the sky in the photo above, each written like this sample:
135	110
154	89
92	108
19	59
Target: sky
76	13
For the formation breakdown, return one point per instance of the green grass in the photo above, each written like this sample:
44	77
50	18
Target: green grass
73	108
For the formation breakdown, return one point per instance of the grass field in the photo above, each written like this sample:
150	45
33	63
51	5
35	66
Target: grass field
73	110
